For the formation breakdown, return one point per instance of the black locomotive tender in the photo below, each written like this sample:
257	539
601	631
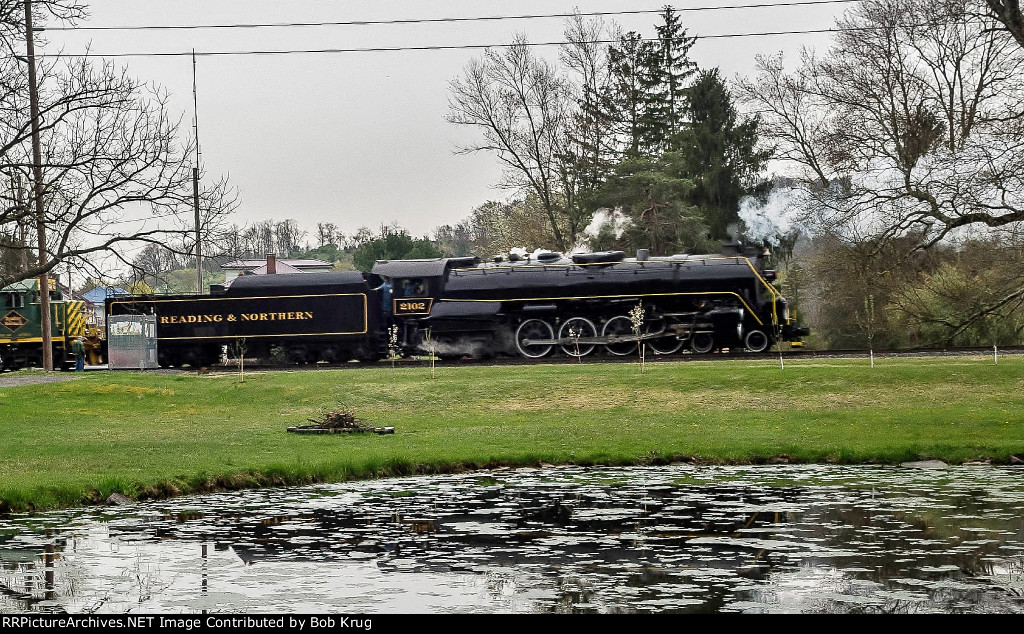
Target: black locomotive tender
453	307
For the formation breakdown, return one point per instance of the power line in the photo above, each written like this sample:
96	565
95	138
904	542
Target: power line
434	47
167	27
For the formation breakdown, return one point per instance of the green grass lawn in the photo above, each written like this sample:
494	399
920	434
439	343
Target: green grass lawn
151	434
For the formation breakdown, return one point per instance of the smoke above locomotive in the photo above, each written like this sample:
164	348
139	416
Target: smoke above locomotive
528	306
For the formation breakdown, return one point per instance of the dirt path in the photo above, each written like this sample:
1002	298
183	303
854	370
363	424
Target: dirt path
14	379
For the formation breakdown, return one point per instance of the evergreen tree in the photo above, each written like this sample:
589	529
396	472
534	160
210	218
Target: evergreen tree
393	245
647	98
653	200
674	71
632	80
718	152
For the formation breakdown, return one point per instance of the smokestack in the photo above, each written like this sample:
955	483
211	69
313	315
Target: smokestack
271	264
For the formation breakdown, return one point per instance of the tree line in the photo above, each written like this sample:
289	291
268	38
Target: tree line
158	268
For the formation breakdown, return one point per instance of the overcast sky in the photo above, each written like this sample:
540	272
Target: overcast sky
360	138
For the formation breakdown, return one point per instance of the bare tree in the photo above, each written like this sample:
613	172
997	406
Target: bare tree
590	144
155	259
326	233
177	253
909	125
521	106
232	243
116	170
456	240
259	238
287	236
359	238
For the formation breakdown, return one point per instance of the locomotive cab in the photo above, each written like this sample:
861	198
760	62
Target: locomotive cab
419	317
414	296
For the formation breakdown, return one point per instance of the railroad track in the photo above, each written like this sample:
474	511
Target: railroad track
795	353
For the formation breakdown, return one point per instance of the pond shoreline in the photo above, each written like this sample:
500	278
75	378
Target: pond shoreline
78	438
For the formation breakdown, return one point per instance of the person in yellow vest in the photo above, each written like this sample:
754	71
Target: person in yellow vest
78	348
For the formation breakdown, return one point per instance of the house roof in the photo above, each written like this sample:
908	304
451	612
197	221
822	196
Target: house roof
32	284
98	294
282	267
22	286
297	264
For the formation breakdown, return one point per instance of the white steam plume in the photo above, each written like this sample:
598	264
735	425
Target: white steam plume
774	218
618	221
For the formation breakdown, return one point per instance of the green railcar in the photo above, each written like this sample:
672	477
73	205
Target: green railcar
21	336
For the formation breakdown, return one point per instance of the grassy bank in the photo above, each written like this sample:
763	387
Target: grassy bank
149	435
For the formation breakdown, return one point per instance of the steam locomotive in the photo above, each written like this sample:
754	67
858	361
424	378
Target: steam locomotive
527	306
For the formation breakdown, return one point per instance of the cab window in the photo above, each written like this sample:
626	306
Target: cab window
414	287
12	300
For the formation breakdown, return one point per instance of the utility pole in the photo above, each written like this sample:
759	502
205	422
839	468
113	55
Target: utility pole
195	182
37	177
199	244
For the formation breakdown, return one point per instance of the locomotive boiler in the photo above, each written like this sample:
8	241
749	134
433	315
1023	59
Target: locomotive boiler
587	303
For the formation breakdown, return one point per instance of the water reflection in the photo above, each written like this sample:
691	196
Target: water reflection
657	539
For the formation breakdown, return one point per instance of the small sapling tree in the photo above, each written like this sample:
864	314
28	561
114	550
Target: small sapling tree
238	349
430	345
869	325
636	316
574	334
393	344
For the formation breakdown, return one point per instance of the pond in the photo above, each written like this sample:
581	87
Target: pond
671	539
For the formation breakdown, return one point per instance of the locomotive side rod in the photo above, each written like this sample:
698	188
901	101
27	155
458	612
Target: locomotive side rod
682	334
606	340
